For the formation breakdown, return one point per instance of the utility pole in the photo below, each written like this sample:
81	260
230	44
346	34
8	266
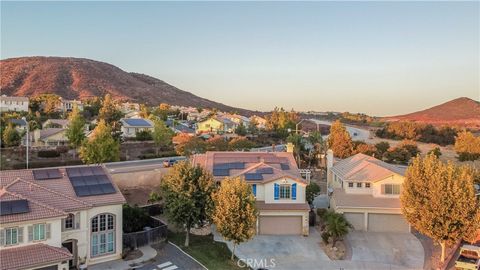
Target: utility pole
27	139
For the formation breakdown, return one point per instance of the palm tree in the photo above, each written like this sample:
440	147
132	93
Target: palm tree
337	226
318	146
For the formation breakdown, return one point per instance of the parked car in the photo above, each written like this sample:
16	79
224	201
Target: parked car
469	258
169	162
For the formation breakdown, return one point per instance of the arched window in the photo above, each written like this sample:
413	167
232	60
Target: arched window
102	234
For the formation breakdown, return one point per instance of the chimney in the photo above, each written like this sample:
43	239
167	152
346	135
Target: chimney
329	159
290	147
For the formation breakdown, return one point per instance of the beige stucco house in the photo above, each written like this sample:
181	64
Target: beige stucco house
59	218
131	126
276	182
49	137
366	190
216	125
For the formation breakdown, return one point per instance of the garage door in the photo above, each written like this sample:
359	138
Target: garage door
356	219
276	225
387	223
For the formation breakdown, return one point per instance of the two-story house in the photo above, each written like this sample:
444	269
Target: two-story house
59	218
276	183
216	125
16	104
366	190
131	126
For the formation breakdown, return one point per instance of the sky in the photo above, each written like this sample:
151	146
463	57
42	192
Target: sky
379	58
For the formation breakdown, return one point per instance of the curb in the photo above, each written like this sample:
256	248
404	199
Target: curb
188	255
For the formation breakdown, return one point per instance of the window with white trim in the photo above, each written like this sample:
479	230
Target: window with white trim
392	189
11	236
359	185
103	234
285	192
350	184
367	185
39	232
69	222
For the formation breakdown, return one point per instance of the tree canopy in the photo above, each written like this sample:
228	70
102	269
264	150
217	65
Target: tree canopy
10	136
340	141
438	199
467	146
101	146
75	132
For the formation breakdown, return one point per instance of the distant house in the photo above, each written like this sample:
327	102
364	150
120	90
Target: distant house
276	183
55	123
19	124
58	218
261	122
216	125
366	190
50	137
179	127
130	126
16	104
238	119
67	105
127	107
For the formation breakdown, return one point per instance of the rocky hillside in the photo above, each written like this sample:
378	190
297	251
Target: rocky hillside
77	78
461	111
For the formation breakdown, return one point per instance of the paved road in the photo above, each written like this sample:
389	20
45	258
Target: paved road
357	134
138	165
172	258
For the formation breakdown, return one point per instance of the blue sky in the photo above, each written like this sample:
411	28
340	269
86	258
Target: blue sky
381	58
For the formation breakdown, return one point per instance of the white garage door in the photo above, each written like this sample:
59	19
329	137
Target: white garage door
387	223
356	219
280	225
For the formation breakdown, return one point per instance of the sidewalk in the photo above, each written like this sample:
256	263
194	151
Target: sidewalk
148	254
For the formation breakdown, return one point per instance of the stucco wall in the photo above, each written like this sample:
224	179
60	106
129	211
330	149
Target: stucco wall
377	186
55	232
269	191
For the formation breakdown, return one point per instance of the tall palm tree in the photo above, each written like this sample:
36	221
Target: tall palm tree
337	226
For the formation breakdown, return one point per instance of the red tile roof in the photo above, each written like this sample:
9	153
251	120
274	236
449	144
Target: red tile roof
345	200
31	256
261	205
253	161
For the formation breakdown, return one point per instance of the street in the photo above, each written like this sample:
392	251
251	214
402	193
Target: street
170	257
139	165
357	134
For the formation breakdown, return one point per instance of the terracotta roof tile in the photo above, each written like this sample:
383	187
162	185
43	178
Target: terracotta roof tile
31	255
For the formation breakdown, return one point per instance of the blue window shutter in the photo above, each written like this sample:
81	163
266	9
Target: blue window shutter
294	191
254	188
276	191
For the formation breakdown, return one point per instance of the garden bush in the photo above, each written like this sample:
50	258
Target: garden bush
48	153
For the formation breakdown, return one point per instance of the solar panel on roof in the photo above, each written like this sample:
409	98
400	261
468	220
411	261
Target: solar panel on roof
45	174
230	165
221	172
265	170
90	181
284	166
137	122
253	176
14	207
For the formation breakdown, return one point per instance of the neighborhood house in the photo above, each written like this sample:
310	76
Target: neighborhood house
366	190
277	186
17	104
130	126
59	218
216	125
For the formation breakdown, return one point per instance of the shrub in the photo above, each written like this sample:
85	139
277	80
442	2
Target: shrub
48	153
325	237
143	135
62	149
321	212
134	219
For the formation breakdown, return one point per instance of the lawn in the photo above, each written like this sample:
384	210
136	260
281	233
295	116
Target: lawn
214	255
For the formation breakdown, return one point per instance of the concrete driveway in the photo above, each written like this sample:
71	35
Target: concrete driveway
400	249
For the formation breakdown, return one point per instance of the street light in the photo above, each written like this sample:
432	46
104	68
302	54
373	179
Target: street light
296	126
27	139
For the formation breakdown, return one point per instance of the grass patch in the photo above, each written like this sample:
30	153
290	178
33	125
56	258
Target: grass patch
214	255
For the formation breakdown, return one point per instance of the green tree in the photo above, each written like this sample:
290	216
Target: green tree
436	151
240	144
101	146
161	135
241	130
336	226
75	132
110	113
188	192
48	103
143	135
235	215
382	148
217	143
312	190
11	137
339	140
318	147
299	146
438	200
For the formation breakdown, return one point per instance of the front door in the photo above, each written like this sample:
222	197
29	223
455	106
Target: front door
71	245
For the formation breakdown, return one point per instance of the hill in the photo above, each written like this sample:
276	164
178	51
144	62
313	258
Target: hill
78	78
461	111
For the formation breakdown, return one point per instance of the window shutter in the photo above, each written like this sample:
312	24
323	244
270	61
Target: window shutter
77	220
20	235
294	191
30	233
2	237
63	224
276	191
254	188
383	189
47	230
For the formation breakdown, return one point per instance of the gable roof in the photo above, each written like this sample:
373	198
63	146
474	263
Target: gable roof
47	132
254	166
61	122
361	167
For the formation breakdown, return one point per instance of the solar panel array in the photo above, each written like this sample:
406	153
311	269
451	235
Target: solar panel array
90	181
253	176
137	122
221	172
13	207
285	166
265	170
231	165
46	174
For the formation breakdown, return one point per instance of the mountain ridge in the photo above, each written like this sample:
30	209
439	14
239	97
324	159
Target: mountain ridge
81	78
